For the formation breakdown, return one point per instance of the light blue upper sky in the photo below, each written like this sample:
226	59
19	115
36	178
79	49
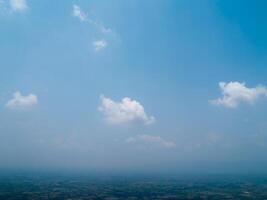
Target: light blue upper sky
168	57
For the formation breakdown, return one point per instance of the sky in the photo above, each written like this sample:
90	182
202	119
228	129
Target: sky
166	85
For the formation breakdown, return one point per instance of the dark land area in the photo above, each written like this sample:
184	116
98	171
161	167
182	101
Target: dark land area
79	187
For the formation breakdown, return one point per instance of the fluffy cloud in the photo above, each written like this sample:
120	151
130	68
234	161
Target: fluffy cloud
18	5
99	44
125	111
233	93
149	139
22	101
77	12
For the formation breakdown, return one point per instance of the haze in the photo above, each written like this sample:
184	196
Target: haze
149	86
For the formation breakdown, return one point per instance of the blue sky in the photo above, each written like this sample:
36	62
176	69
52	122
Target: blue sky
133	84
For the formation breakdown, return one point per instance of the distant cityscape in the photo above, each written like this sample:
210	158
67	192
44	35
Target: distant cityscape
82	188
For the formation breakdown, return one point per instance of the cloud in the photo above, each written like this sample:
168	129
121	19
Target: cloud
233	93
149	139
77	12
18	5
125	111
99	44
22	101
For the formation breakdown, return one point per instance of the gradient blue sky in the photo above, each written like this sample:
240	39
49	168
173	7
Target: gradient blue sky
169	56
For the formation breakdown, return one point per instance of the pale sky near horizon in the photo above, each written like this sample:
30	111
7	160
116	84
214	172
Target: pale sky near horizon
147	85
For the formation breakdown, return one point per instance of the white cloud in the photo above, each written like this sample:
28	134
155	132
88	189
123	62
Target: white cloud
125	111
99	44
22	101
77	12
233	93
149	139
18	5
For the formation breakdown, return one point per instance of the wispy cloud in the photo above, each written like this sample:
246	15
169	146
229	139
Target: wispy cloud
83	17
77	12
125	111
99	44
105	32
18	5
150	140
233	93
8	7
20	101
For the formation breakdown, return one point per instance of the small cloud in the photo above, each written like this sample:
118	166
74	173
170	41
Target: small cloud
150	140
22	101
99	44
102	28
77	12
125	111
18	5
233	93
